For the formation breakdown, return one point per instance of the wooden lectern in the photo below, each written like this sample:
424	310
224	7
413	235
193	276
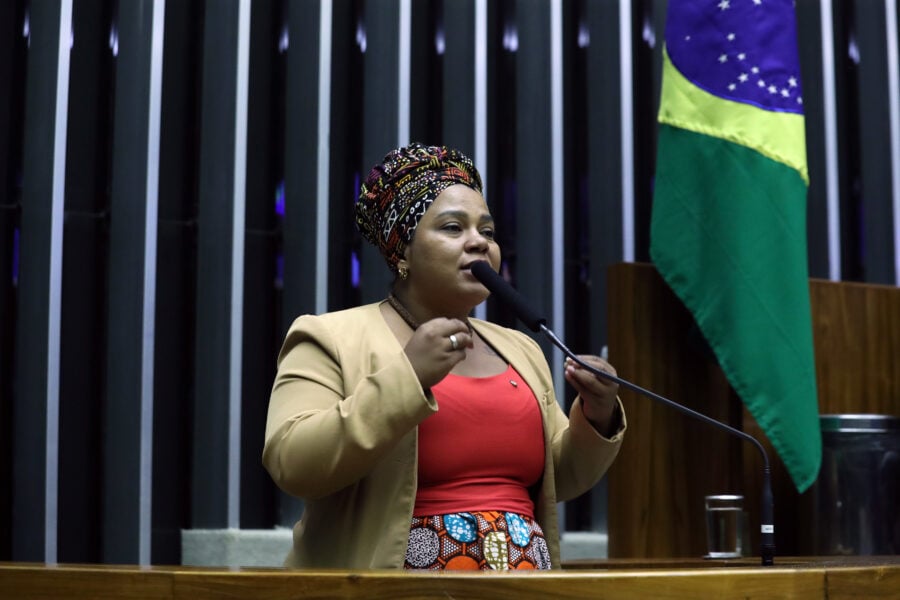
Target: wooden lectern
669	461
854	577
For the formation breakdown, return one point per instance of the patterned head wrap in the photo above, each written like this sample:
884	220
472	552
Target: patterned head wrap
398	191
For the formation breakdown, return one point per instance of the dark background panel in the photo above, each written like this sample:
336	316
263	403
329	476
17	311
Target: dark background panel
33	348
877	237
123	481
809	42
265	176
215	222
380	120
12	71
176	274
345	153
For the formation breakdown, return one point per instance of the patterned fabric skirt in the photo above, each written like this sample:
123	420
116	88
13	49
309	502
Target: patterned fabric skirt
476	541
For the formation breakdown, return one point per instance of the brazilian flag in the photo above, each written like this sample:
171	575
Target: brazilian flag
728	229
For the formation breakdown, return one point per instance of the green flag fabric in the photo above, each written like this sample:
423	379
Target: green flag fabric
728	227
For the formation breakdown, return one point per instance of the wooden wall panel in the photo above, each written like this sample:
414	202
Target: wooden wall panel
668	462
857	335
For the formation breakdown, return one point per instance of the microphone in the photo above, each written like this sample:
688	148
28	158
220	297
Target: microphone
509	296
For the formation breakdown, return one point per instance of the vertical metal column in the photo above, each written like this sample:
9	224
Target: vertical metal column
893	82
323	157
459	76
269	44
306	182
132	288
83	339
36	412
346	46
302	186
626	116
606	174
557	198
641	79
480	107
464	86
216	443
381	89
534	149
877	244
176	268
815	98
832	170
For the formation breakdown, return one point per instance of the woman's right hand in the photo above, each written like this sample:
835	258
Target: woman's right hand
431	352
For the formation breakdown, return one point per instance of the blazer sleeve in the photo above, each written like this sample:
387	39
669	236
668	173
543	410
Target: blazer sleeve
338	404
581	456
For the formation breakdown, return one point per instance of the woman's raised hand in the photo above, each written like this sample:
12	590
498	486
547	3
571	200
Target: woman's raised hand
436	347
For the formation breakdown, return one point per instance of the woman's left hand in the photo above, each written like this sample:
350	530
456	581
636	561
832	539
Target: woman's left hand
598	395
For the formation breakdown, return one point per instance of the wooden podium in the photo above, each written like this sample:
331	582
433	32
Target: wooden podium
813	579
669	461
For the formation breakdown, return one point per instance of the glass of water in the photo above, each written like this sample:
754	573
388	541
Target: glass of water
724	526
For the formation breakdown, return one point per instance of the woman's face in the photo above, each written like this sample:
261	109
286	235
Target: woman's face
455	231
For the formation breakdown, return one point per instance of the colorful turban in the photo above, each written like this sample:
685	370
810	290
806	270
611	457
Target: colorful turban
398	191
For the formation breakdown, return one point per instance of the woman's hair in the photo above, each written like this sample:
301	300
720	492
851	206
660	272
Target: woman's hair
400	189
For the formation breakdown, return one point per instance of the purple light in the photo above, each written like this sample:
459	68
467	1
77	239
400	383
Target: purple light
354	270
279	199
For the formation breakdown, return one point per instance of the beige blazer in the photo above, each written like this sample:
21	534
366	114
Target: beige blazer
341	434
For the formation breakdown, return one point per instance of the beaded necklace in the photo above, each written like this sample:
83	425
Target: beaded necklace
407	317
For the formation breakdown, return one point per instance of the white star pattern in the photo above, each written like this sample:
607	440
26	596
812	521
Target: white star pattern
724	62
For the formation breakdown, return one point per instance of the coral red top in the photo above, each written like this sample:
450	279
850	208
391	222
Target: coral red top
483	449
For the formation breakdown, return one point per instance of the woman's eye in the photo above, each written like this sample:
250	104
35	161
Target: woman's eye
451	227
488	233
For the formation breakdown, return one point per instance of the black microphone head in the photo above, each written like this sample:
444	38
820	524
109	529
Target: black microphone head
508	295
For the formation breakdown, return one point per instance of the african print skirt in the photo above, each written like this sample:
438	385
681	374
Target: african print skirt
476	541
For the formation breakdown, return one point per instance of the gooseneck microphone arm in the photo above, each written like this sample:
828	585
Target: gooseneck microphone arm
767	517
509	296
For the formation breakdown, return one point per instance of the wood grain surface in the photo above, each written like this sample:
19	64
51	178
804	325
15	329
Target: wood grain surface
875	577
669	462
